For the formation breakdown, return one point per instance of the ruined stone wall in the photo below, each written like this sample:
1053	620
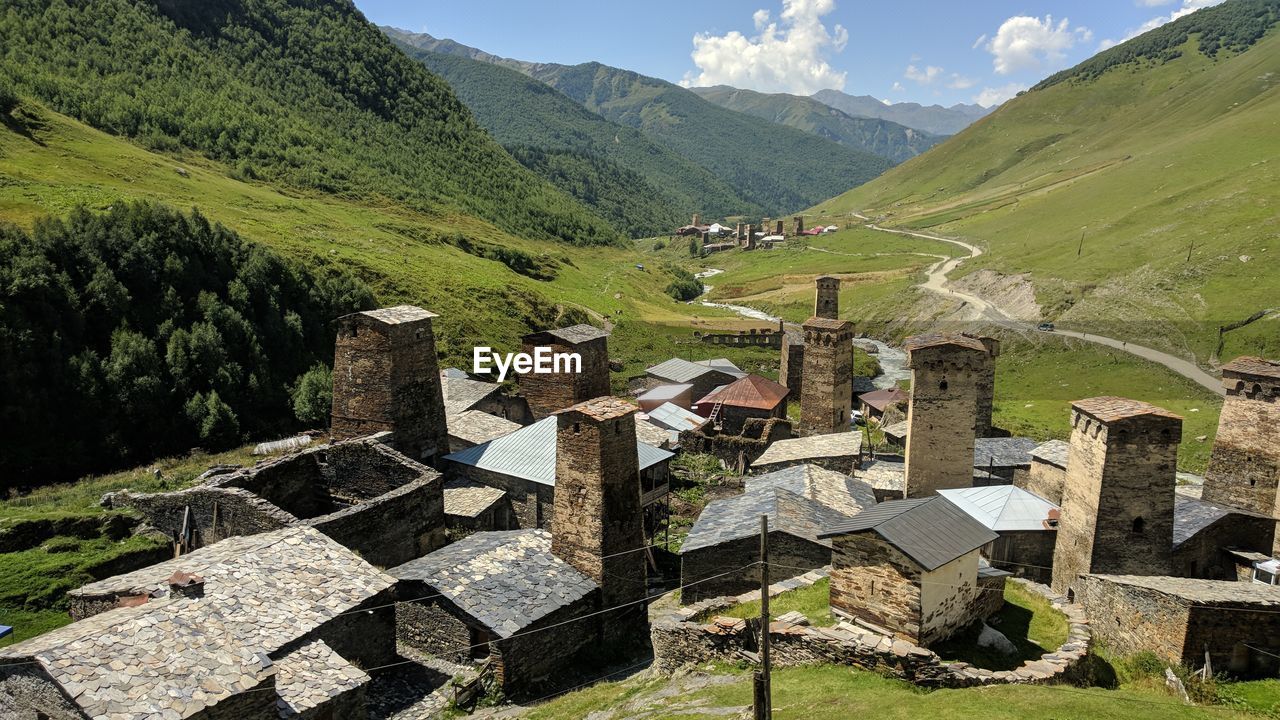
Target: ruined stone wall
28	693
1130	619
949	598
532	504
942	417
1203	555
1244	470
733	419
789	556
989	599
393	528
547	393
873	581
791	367
1118	500
217	513
826	395
1045	480
433	626
737	451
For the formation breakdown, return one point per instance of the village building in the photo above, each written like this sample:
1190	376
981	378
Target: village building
1004	460
737	451
512	597
524	465
942	411
473	427
1244	469
1118	500
680	395
729	407
462	393
791	364
1026	526
840	452
826	396
1183	620
896	433
386	379
911	568
718	555
470	507
886	474
874	404
1048	471
548	392
362	493
258	627
674	418
703	376
1209	538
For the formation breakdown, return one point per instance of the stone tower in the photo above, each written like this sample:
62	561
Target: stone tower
983	427
942	413
826	395
799	225
386	378
597	525
1244	470
827	303
549	392
1118	498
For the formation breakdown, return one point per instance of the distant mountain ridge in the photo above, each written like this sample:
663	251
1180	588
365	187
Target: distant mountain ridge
773	168
934	119
882	137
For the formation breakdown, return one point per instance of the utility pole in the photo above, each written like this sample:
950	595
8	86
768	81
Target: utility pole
763	690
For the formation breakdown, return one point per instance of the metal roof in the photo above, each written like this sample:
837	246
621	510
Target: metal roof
1003	452
881	399
724	365
665	392
1002	507
679	370
674	417
752	391
530	453
931	531
507	580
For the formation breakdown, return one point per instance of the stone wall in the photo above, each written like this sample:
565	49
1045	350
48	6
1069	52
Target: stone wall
532	503
733	419
990	596
826	395
217	513
1118	500
1025	553
434	626
986	389
28	693
1044	479
393	528
791	367
549	392
755	337
680	640
737	451
949	597
942	416
1203	554
794	556
1244	470
874	582
530	657
366	634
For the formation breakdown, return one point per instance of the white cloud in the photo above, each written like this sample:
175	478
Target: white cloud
1153	3
897	87
960	82
997	95
1188	7
979	42
925	75
1028	43
787	55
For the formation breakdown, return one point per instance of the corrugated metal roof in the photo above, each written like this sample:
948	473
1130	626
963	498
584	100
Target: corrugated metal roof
674	417
679	370
1002	507
881	399
530	454
932	531
751	391
665	392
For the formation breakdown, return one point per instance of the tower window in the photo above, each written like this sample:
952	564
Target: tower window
577	428
1139	525
942	386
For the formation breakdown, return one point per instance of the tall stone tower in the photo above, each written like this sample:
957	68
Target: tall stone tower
597	527
549	392
1117	502
983	426
827	303
386	377
826	395
942	413
1244	470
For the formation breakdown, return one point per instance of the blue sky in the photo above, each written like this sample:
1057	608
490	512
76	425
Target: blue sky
926	51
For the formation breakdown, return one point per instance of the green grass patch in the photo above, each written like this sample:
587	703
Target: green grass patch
814	601
1029	621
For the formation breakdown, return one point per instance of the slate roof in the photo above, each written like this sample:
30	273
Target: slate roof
1010	452
738	517
1111	409
751	391
462	394
311	676
897	430
1191	515
1208	592
530	453
810	447
835	490
884	474
819	323
477	426
601	408
575	334
1053	452
921	342
679	370
506	580
1254	366
931	531
1002	507
674	417
174	656
463	498
398	314
659	437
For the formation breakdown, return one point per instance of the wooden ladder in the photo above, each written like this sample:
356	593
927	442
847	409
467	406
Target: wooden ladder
714	417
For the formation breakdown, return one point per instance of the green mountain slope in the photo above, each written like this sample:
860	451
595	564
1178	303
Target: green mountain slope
933	119
886	139
636	184
306	94
1136	193
777	168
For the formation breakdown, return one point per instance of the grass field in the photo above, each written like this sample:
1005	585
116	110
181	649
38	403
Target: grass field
1030	622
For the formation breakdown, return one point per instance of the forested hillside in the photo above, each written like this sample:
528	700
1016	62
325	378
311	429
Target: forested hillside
140	331
886	139
305	94
777	168
641	187
1134	194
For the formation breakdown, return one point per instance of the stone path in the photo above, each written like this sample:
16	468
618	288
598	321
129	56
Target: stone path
419	690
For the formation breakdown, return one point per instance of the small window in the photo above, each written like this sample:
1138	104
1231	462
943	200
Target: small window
1264	577
942	386
577	428
1139	525
617	427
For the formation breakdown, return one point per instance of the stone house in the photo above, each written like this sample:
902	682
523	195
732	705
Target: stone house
1182	619
470	507
277	624
887	476
704	377
1004	460
799	502
729	407
1048	471
1026	526
1207	537
549	392
874	404
841	452
360	492
524	465
911	568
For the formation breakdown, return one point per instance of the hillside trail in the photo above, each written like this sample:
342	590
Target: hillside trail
936	279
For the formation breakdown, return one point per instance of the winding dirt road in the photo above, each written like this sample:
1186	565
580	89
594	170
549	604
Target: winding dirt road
936	282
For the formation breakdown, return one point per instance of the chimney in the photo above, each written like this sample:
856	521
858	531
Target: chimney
186	584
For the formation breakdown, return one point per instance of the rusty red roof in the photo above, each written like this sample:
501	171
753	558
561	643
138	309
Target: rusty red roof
881	399
751	391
